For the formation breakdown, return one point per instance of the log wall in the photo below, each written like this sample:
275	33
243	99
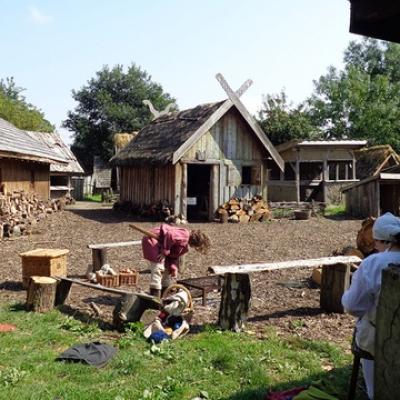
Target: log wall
32	177
148	185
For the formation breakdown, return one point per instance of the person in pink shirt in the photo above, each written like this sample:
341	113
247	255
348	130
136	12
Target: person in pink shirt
164	253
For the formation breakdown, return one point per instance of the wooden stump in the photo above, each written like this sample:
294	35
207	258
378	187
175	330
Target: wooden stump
387	348
235	300
335	280
41	294
62	292
99	258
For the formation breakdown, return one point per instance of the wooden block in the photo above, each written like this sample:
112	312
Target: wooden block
41	294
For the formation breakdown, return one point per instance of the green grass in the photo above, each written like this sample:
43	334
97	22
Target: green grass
210	365
94	197
335	210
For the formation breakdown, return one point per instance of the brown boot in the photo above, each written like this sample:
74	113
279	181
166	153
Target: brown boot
155	292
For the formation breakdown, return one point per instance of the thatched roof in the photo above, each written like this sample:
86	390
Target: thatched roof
16	143
157	142
372	160
121	139
53	141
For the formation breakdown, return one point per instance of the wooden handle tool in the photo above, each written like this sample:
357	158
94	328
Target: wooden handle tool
144	231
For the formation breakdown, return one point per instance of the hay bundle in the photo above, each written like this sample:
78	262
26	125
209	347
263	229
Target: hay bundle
122	139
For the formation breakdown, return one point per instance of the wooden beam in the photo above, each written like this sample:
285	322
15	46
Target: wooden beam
253	124
184	190
177	195
260	267
100	246
214	195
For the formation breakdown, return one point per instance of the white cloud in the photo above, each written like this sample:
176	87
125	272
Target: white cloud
38	17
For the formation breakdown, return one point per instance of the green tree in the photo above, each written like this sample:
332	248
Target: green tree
362	101
282	122
109	103
15	109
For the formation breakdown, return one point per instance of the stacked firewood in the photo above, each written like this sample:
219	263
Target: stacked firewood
244	211
20	211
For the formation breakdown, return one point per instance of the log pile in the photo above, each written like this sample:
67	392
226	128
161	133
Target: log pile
240	210
20	211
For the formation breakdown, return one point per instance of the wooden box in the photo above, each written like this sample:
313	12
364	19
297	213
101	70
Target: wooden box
107	280
43	262
128	279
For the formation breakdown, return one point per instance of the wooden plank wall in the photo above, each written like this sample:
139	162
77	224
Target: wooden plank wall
232	144
26	175
363	201
148	185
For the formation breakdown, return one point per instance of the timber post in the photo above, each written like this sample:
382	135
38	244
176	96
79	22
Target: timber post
41	294
99	258
387	349
335	280
235	301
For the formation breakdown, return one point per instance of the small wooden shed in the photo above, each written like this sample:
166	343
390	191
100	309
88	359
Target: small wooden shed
314	170
24	162
60	173
375	195
197	159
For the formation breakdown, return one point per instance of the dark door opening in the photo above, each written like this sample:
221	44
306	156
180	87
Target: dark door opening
198	192
390	198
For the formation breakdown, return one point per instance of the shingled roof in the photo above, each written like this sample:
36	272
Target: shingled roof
157	142
372	160
16	143
52	140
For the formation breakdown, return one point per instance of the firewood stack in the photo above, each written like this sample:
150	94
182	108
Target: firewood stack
20	211
241	210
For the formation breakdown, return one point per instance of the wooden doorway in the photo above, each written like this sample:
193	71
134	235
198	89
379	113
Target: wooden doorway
390	198
198	192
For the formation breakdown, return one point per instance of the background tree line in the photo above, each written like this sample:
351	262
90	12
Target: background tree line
361	101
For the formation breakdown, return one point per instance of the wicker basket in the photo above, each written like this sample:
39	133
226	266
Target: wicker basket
43	262
128	279
107	280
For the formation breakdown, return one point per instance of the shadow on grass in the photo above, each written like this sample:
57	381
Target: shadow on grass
86	318
295	312
334	382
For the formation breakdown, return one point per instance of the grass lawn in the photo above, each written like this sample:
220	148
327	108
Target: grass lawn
94	197
335	210
209	365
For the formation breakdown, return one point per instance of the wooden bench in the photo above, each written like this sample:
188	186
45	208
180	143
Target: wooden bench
236	291
130	308
99	251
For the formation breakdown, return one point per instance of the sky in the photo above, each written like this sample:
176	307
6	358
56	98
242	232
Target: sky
52	47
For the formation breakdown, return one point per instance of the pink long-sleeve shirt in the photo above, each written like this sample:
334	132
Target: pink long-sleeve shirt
173	242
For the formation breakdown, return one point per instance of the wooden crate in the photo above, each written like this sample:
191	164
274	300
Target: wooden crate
128	279
43	262
107	280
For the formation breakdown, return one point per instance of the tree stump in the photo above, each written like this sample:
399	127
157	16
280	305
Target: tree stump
335	280
387	348
235	301
41	294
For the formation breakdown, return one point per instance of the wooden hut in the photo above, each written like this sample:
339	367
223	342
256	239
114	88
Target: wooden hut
60	173
197	159
24	162
376	194
314	170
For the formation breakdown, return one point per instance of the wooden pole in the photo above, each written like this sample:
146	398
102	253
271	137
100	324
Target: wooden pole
144	231
184	190
235	301
99	258
335	280
41	294
387	349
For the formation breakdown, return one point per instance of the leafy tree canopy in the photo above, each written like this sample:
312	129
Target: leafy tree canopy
362	101
15	109
109	103
283	122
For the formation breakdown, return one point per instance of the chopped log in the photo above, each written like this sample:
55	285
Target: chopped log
335	280
235	301
365	241
316	276
387	350
244	218
256	216
41	294
223	215
266	216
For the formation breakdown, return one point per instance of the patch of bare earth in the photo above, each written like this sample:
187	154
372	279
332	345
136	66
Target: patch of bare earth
283	299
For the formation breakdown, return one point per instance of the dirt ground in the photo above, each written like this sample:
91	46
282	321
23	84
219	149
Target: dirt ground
286	299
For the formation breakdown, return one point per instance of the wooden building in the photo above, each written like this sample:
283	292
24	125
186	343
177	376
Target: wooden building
24	162
197	159
60	173
314	170
375	195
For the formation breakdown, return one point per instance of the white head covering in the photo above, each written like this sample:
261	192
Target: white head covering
386	227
